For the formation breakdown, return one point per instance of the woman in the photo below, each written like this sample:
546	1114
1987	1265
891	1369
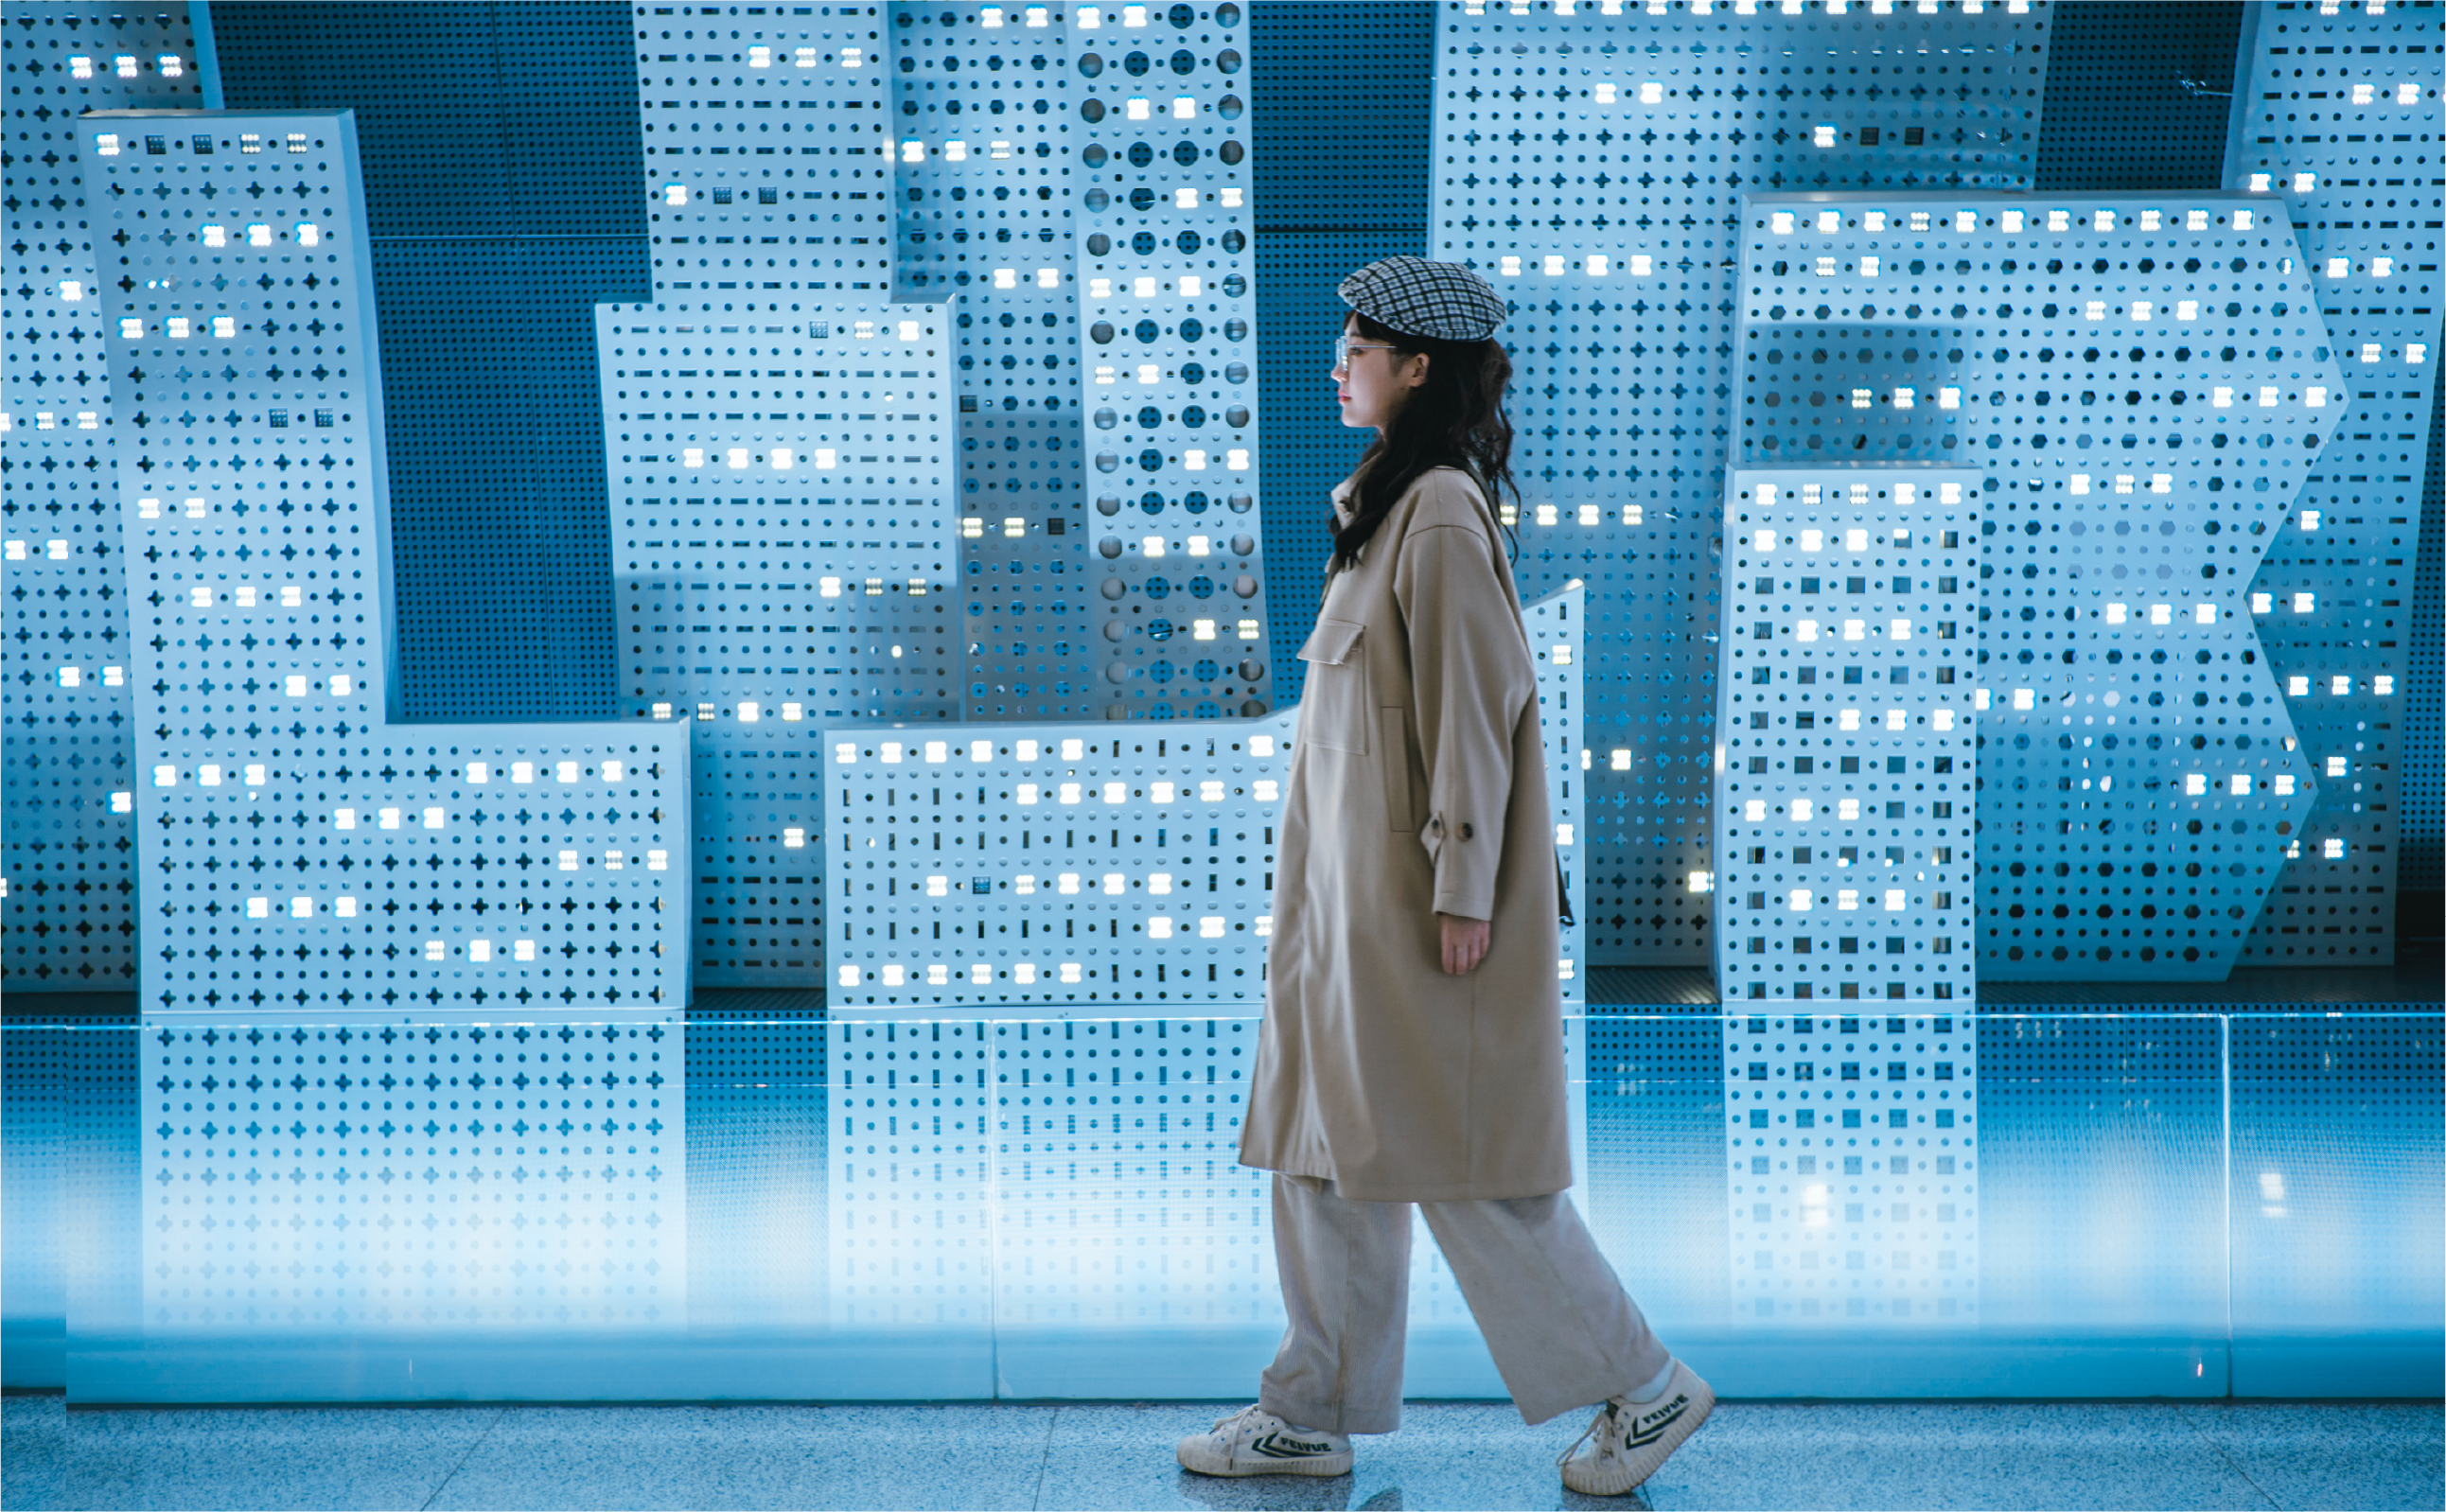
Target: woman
1412	1047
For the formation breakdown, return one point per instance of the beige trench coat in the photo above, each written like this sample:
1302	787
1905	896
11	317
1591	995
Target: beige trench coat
1418	784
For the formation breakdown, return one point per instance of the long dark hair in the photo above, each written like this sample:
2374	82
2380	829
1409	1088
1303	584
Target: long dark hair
1453	419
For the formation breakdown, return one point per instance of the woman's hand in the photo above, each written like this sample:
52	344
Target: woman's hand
1465	941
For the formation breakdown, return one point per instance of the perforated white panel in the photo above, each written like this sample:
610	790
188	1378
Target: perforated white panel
1618	133
765	146
1141	248
778	484
909	1175
1167	385
1071	864
1848	792
2143	385
326	1178
1848	776
2343	125
1110	1191
1119	1207
1830	1221
986	191
300	851
67	913
1019	376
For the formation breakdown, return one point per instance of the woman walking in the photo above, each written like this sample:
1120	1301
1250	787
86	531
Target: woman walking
1412	1047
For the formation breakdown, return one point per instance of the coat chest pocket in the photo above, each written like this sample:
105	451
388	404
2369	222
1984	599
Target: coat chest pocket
1334	708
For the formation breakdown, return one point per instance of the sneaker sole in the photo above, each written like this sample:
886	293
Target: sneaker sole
1325	1465
1621	1475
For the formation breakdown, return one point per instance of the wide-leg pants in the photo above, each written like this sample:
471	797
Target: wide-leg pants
1562	1331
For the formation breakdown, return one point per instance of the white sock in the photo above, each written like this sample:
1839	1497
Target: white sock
1655	1386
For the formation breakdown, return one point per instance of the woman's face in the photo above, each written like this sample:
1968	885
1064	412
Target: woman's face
1369	386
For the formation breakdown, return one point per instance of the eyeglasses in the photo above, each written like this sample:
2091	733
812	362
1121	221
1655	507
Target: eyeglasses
1344	346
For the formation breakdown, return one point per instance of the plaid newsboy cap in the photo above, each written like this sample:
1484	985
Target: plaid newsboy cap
1426	298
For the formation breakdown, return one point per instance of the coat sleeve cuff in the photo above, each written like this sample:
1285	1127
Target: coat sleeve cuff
1465	905
1462	897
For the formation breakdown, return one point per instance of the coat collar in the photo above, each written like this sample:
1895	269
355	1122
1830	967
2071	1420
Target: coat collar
1341	498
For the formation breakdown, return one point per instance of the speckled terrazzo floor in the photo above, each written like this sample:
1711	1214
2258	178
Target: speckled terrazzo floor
1842	1455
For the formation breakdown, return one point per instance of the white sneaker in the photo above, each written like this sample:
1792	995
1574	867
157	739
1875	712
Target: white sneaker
1255	1442
1633	1438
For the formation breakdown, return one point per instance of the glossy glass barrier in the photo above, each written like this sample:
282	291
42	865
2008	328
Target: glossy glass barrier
773	1206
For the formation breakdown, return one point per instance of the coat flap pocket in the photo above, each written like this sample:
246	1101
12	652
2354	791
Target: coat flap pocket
1331	640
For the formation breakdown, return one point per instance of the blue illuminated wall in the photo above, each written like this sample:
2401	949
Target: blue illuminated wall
2142	781
606	464
2340	122
1607	132
70	763
492	270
